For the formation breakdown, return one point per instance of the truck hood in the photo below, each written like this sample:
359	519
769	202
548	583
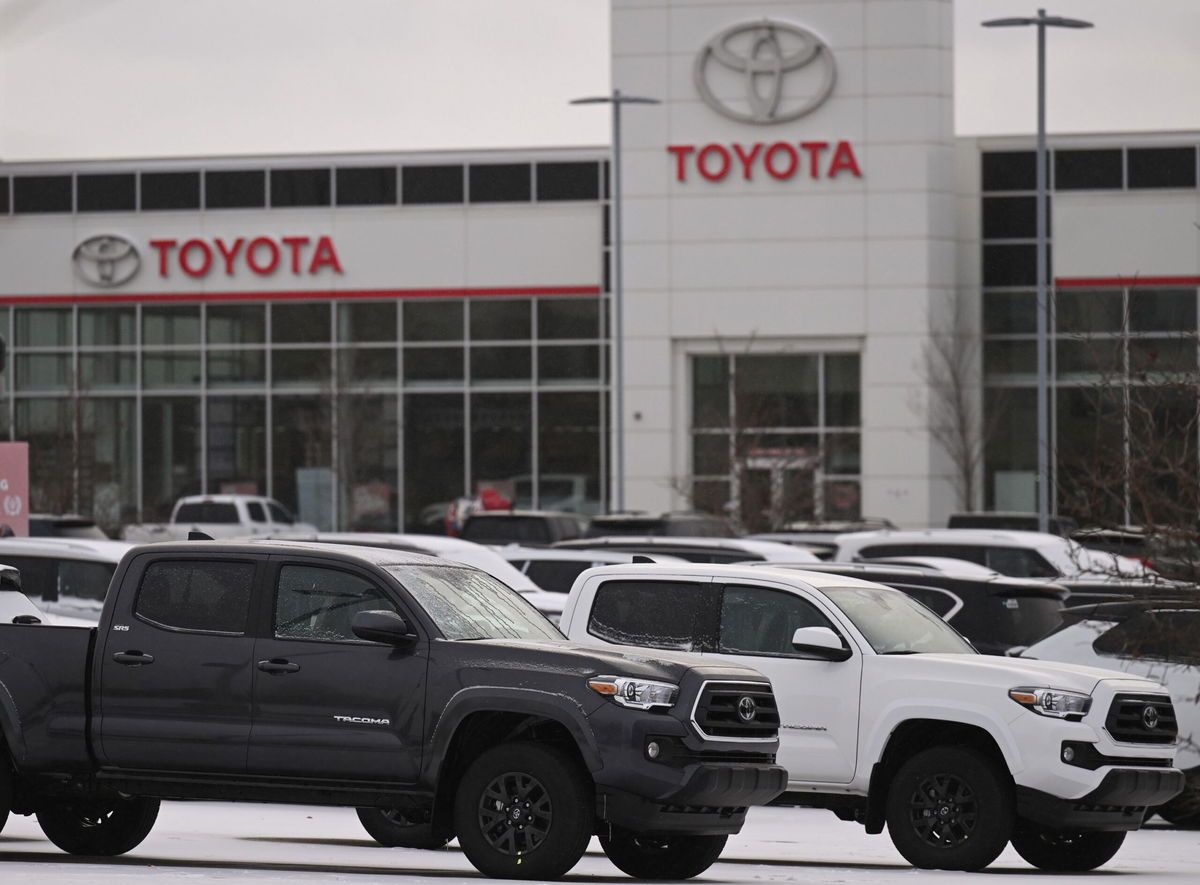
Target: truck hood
573	658
1008	673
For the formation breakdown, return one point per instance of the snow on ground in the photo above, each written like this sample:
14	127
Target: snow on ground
277	844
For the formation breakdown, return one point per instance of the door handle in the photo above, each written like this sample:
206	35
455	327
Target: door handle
134	658
278	665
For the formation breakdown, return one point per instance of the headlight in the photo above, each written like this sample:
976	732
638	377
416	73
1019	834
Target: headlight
640	694
1053	702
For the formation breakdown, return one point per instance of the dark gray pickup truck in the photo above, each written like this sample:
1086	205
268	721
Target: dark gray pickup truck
425	694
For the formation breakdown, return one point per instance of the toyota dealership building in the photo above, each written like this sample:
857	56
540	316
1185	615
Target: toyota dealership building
368	337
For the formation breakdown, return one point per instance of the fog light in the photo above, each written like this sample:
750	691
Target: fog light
653	749
1068	754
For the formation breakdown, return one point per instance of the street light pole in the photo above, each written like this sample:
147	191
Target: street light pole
1042	22
618	319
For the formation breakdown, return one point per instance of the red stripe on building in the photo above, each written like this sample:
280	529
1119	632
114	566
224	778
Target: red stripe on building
1122	282
328	294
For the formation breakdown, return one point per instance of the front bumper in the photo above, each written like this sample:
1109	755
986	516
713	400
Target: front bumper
711	799
1120	801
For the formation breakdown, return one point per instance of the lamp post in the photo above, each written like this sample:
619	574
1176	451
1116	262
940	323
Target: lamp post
616	99
1041	22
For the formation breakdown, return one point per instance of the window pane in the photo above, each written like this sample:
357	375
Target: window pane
367	321
107	326
303	457
237	444
426	365
300	187
1085	311
203	596
500	182
236	368
1010	265
366	186
433	458
1009	357
776	391
1162	167
1009	171
303	368
843	453
1008	313
4	202
568	318
365	366
501	319
1162	310
655	614
758	621
320	603
300	323
237	324
105	193
573	364
569	448
431	184
1010	218
710	391
843	499
41	193
170	452
171	325
101	371
109	465
501	365
43	327
1087	170
43	371
1085	356
842	390
568	181
235	190
367	463
433	321
170	190
501	440
170	370
1174	354
710	454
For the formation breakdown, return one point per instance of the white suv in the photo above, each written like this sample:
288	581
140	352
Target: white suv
887	715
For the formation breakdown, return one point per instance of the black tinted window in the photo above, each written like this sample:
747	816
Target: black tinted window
212	597
50	578
1018	563
1162	167
760	621
568	181
504	530
300	187
555	576
1160	635
312	602
500	182
106	193
1010	218
656	614
431	184
235	190
1009	171
170	190
1087	170
366	186
207	511
42	193
256	512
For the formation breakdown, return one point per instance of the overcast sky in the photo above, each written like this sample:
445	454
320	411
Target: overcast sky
146	78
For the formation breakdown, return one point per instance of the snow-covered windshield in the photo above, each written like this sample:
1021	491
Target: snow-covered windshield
466	603
894	623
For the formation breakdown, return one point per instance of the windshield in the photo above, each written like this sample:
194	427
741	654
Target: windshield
894	623
466	603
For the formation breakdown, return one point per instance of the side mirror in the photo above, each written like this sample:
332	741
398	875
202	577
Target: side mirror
820	641
383	626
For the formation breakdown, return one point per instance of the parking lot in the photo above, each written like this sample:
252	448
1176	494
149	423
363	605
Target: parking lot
261	843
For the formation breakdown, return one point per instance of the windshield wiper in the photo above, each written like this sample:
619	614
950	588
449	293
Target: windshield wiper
906	651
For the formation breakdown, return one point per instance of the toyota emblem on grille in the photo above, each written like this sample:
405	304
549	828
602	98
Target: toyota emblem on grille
106	260
1150	717
741	72
747	709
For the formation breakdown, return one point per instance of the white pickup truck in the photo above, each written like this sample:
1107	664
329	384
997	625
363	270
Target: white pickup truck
218	516
888	716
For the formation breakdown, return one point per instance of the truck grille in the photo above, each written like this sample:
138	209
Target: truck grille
1142	719
736	711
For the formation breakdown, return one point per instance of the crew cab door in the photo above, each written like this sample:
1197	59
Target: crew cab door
818	699
327	704
173	670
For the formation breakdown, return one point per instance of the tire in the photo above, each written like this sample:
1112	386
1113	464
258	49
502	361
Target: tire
6	790
524	811
394	828
1184	809
950	808
673	857
1062	852
98	826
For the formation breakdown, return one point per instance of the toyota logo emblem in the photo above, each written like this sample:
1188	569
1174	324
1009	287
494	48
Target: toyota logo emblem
106	260
1150	717
740	72
747	709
